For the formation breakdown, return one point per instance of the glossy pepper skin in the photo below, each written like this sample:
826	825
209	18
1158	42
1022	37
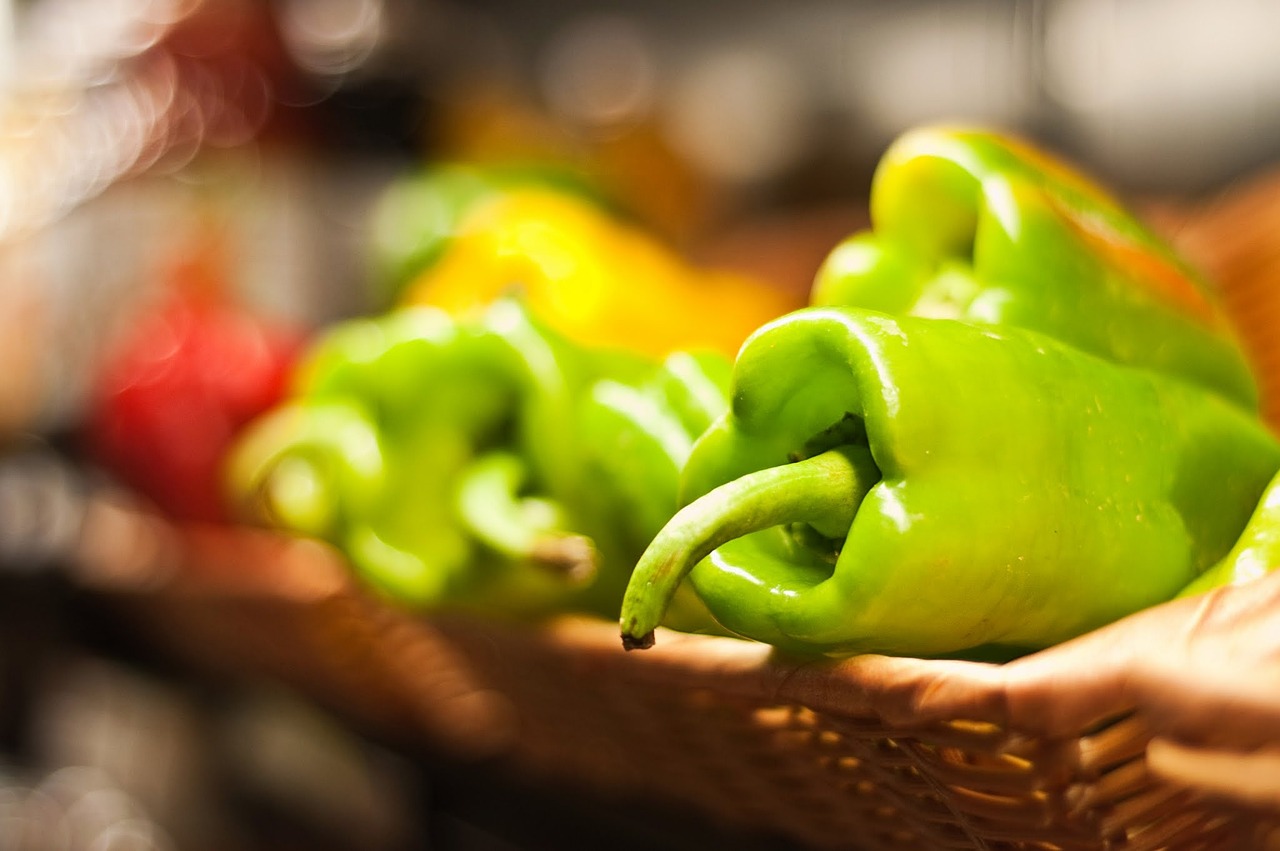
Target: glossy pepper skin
1255	554
457	462
636	435
973	225
593	278
921	486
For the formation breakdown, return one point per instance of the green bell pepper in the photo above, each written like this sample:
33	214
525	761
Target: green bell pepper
477	463
973	225
924	486
635	440
1255	554
638	435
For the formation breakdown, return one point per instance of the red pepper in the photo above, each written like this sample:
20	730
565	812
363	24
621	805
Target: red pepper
171	398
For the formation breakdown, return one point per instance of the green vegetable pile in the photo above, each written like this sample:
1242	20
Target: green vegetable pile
1011	415
483	463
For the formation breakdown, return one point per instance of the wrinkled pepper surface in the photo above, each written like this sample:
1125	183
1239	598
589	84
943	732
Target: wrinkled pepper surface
922	486
973	225
592	277
477	462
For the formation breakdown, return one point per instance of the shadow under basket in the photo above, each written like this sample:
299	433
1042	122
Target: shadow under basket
826	754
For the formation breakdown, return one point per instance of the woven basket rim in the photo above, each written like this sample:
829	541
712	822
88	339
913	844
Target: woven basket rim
1003	702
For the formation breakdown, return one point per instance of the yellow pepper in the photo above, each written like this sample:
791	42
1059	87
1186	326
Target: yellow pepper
594	278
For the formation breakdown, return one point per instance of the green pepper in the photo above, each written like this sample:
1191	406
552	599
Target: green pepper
458	461
635	440
924	486
636	436
1256	553
973	225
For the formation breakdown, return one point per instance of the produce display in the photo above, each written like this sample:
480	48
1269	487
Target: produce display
1026	419
431	420
484	462
1012	415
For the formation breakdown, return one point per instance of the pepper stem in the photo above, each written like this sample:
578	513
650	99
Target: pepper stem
824	491
526	529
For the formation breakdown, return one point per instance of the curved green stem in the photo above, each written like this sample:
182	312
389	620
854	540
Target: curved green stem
309	467
526	529
824	491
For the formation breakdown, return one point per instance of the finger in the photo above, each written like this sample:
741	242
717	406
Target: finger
1248	778
1226	709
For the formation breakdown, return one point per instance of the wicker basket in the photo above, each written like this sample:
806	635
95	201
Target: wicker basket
858	754
872	752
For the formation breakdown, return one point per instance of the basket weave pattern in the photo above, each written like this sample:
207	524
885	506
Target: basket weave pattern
815	752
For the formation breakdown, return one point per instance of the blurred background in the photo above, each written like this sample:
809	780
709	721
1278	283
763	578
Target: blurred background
245	146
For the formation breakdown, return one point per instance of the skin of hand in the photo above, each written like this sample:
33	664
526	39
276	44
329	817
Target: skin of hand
1202	672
